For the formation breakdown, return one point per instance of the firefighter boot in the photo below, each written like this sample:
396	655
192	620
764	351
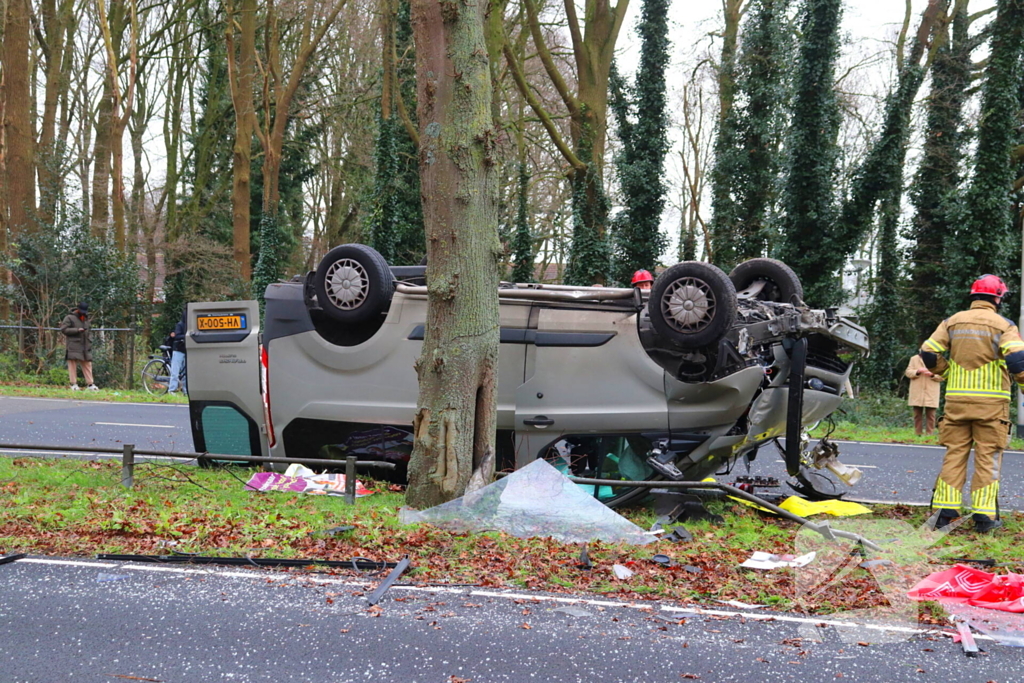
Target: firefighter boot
944	518
983	524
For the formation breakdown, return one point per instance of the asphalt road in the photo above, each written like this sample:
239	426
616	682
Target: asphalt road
92	622
892	473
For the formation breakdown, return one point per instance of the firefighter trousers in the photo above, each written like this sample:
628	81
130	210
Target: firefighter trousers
989	438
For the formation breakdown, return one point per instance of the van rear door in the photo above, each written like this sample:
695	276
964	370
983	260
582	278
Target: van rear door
223	378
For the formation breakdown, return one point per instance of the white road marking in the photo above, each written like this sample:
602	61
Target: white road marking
907	445
698	611
866	467
132	424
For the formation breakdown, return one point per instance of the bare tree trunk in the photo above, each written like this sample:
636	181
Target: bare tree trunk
20	160
456	414
242	72
101	165
48	156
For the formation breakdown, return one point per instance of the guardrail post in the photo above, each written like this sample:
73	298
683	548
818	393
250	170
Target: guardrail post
350	480
128	466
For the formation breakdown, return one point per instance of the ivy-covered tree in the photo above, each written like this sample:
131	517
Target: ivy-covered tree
395	220
933	192
589	254
643	132
808	194
764	86
522	240
982	239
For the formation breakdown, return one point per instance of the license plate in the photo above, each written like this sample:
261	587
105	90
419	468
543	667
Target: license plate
219	323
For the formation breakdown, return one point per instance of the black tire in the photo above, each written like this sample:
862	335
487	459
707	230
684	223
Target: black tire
692	304
782	284
156	376
353	283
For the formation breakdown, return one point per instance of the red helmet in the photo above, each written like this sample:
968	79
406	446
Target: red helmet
642	276
992	285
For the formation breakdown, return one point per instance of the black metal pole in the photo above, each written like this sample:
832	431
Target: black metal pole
350	480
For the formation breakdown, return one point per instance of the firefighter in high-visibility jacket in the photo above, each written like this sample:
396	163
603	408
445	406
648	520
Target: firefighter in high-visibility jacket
985	351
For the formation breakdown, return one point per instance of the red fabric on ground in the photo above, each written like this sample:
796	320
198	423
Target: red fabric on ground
967	585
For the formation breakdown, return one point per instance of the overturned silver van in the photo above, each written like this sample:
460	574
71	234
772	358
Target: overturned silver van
678	382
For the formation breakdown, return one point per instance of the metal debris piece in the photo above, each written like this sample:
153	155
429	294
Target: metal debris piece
573	611
7	559
682	507
678	534
966	637
380	590
692	569
585	563
870	564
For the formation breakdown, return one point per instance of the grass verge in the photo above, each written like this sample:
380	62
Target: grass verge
112	395
76	508
847	431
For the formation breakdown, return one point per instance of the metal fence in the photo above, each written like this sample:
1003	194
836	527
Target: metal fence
31	353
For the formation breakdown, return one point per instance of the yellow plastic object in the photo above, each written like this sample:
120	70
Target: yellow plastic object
806	508
837	508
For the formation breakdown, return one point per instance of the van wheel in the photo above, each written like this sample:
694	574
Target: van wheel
692	304
781	284
353	283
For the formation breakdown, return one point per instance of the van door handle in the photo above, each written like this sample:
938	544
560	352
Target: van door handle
539	421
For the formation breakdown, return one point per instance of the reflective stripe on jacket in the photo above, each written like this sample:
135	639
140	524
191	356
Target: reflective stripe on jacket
985	349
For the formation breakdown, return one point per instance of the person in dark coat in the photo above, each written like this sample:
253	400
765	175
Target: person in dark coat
178	354
76	329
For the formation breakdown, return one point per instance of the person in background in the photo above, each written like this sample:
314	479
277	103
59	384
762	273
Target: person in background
78	350
642	279
924	394
178	354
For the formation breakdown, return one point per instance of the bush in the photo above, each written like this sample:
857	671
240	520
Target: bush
876	410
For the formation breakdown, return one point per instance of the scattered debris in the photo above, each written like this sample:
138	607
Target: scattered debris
663	560
380	590
692	569
678	534
299	479
334	531
103	578
1006	628
534	501
7	559
672	506
573	611
763	560
621	573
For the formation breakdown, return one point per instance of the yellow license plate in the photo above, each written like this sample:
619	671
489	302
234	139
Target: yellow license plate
218	323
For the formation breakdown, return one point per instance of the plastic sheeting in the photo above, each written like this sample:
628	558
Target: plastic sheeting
534	501
1006	628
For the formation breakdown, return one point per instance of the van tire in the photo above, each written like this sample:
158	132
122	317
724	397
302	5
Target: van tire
692	304
782	284
353	283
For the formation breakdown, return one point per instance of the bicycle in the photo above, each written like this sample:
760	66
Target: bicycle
156	374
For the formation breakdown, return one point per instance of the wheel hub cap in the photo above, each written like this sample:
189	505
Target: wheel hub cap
347	284
688	305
